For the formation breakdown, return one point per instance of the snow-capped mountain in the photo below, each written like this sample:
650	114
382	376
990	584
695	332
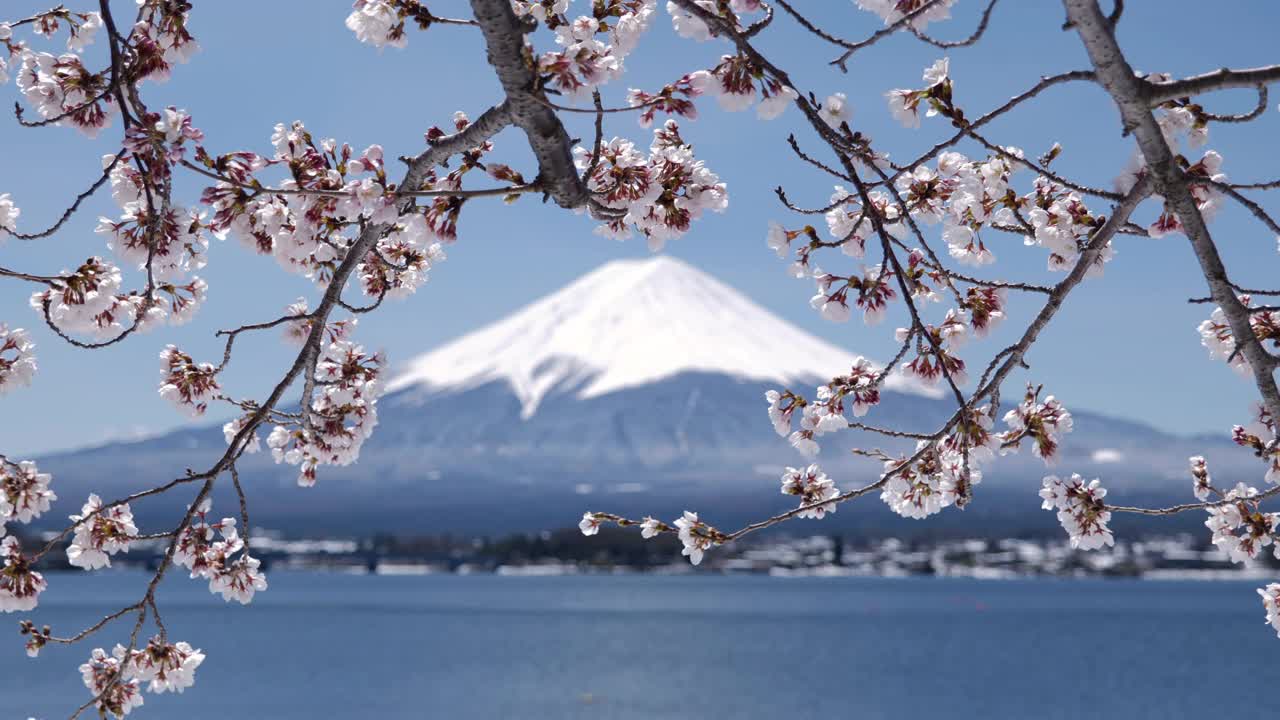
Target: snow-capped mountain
637	388
626	324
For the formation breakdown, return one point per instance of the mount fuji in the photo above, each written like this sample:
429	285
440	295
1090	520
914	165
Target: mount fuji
638	388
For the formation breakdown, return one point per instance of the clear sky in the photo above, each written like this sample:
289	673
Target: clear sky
1126	344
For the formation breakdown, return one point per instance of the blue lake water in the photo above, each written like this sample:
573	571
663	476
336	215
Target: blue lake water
459	647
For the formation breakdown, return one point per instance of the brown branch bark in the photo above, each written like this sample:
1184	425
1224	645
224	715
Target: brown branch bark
527	108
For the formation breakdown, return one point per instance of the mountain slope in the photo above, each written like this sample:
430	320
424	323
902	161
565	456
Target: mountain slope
627	324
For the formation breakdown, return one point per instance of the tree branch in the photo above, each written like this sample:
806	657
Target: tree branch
1133	99
527	108
1223	79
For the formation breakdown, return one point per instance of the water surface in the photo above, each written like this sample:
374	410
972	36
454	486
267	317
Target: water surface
486	647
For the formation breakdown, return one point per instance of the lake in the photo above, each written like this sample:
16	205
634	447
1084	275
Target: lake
725	647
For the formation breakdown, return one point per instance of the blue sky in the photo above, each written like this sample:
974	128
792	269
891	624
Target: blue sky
1125	344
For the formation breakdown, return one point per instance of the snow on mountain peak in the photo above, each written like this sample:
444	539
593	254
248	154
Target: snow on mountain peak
630	323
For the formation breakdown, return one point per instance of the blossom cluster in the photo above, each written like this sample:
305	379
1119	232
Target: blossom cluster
735	83
687	25
1202	483
922	12
591	51
1080	510
61	87
66	92
381	22
164	666
904	104
24	496
593	47
873	290
1043	423
103	676
9	212
216	552
329	188
1217	337
1271	602
167	243
660	194
17	359
1260	437
339	418
813	487
116	679
100	532
1239	528
935	350
939	474
696	536
859	389
185	383
168	240
20	584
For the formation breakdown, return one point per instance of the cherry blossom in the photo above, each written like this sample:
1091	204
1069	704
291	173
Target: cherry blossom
696	536
812	486
216	551
938	478
165	666
8	211
340	417
892	11
1216	335
1238	527
17	359
904	105
238	580
20	585
86	300
650	527
232	428
661	194
590	524
99	533
781	407
935	358
1043	422
1202	484
59	86
540	10
36	638
836	110
377	23
24	491
1080	510
1271	602
186	384
1259	436
103	675
673	99
984	309
82	33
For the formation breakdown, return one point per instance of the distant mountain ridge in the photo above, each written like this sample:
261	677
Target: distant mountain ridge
637	388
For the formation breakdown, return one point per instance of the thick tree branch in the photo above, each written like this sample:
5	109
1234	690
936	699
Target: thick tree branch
1134	101
551	145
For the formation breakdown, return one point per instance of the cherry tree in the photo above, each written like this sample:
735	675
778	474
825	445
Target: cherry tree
914	242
